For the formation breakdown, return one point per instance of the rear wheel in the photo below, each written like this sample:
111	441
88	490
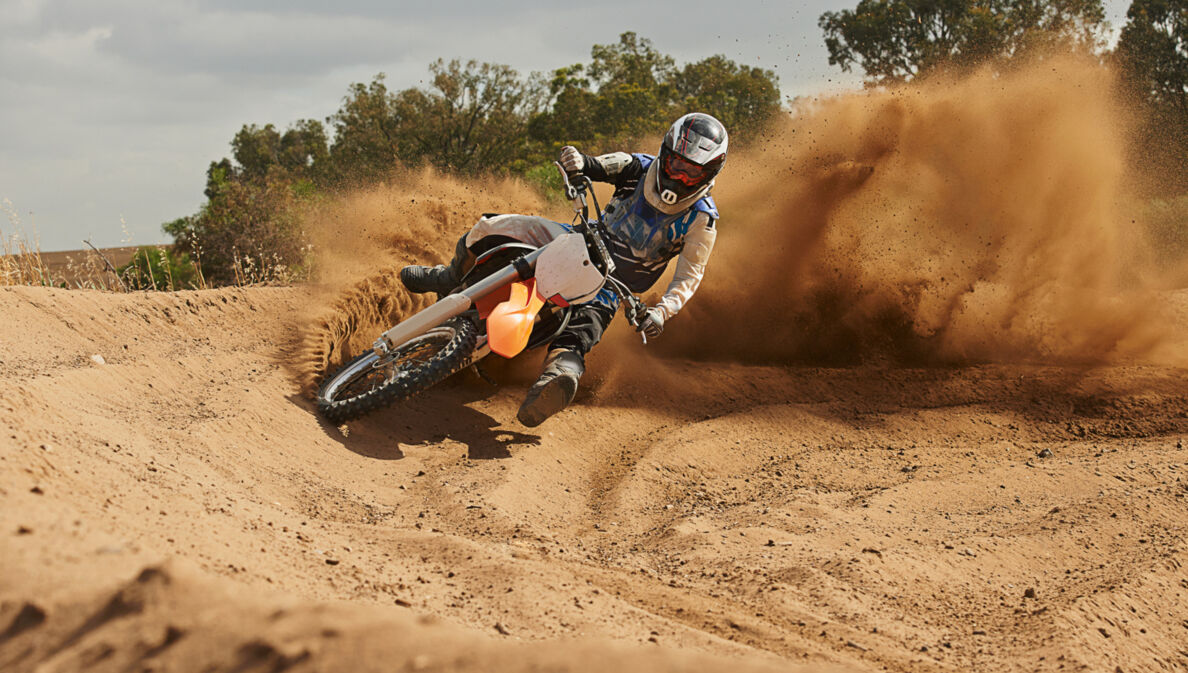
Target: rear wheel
371	381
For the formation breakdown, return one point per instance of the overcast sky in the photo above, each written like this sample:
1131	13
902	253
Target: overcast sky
111	110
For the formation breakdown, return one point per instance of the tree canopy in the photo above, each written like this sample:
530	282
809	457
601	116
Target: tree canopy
893	40
630	90
1153	54
1153	48
472	118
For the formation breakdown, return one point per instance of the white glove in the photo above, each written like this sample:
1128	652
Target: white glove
572	160
653	325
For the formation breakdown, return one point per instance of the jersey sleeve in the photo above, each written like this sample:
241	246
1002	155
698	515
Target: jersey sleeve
616	168
690	266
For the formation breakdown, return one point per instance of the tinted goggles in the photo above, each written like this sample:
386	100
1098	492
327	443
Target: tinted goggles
684	171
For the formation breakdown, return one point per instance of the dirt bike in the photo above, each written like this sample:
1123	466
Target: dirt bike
515	297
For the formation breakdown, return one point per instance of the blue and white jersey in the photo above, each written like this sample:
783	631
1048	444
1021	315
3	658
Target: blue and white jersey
642	239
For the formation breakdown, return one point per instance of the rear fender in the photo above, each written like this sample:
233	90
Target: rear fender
509	325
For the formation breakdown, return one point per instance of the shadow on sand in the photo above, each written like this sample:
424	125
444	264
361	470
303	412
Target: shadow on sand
430	418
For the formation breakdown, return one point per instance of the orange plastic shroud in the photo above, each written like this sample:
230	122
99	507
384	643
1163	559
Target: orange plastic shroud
510	323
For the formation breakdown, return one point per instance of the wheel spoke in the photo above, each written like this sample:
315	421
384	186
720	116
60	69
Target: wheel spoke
371	374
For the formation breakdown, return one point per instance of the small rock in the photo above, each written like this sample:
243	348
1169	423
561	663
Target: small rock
403	603
331	561
850	643
24	530
1046	453
98	359
36	490
502	629
47	448
1030	593
770	543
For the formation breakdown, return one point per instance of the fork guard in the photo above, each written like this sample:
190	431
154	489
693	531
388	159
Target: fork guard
509	325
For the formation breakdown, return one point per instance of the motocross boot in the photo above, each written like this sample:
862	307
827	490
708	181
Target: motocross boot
555	388
441	278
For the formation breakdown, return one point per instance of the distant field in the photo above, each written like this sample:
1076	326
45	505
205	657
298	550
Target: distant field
85	267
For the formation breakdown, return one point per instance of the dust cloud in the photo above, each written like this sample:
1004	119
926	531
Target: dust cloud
983	218
986	218
363	238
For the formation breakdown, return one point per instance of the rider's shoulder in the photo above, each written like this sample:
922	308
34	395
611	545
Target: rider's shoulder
645	160
707	205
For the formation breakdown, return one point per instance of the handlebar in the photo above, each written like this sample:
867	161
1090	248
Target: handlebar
575	190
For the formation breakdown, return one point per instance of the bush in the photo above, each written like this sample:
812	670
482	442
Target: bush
248	232
160	269
545	178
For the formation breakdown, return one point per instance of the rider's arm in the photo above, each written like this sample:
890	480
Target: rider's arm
614	167
690	266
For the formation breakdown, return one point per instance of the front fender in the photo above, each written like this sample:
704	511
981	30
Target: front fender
509	325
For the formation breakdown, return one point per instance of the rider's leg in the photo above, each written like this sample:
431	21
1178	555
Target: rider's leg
441	278
445	277
565	364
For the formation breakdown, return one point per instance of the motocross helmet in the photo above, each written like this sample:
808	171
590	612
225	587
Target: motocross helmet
692	154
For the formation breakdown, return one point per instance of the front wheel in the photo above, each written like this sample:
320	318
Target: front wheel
371	381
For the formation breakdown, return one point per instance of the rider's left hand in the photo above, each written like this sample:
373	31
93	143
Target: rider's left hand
572	160
653	324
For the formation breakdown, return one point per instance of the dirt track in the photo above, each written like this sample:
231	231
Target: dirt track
179	507
710	503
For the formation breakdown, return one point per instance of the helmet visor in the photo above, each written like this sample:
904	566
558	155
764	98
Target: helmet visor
683	171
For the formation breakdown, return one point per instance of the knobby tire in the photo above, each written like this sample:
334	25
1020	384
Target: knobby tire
416	379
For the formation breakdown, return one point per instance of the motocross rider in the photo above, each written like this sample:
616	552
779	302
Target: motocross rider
660	209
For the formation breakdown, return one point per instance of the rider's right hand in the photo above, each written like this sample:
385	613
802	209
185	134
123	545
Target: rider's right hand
572	160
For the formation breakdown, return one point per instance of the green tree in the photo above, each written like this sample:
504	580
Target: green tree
365	132
631	90
246	232
893	40
744	98
473	119
261	150
1153	49
1153	53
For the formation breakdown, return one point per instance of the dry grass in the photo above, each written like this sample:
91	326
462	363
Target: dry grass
21	263
118	269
